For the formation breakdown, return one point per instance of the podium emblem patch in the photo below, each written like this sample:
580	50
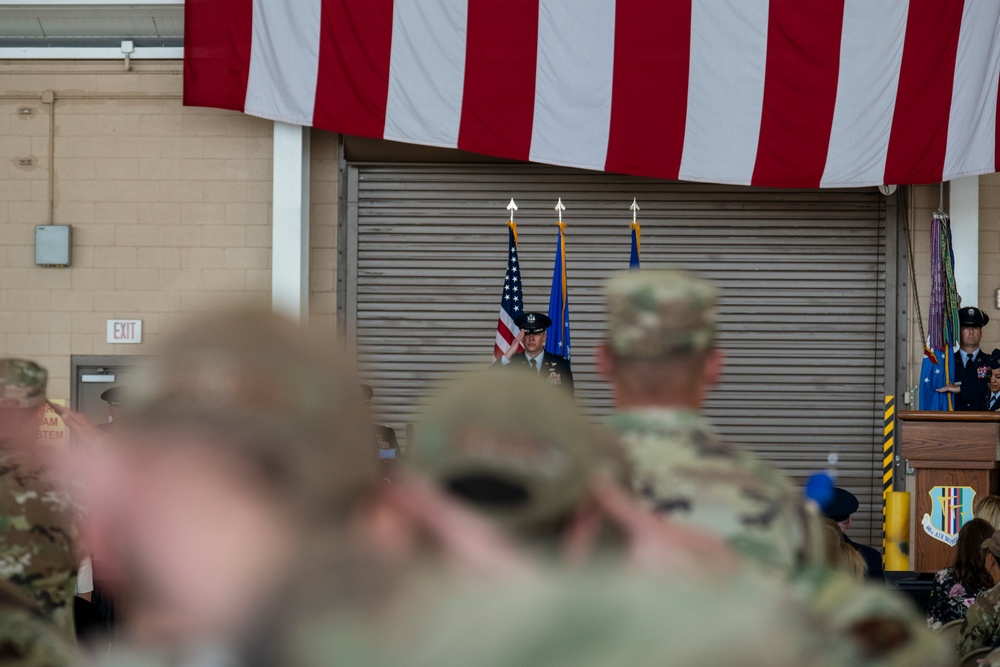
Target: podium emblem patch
951	507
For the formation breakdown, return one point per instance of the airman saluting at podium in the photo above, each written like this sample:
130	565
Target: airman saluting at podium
552	368
972	365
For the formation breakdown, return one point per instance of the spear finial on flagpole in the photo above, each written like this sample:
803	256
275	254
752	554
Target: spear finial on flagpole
559	209
512	207
635	209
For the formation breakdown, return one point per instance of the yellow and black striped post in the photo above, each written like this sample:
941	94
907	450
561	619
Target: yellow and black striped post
888	443
895	505
888	440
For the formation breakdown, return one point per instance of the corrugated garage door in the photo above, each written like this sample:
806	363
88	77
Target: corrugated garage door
803	301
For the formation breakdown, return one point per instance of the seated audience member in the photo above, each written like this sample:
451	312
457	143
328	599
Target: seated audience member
385	436
840	509
955	588
388	448
982	620
988	509
839	554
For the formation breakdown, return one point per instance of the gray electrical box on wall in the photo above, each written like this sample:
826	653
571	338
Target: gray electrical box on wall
53	244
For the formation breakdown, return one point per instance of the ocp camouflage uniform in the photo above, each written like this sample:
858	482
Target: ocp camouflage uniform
595	616
982	622
678	465
681	469
27	638
872	625
604	616
37	535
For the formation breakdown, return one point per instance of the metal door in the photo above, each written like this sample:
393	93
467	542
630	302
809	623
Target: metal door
92	375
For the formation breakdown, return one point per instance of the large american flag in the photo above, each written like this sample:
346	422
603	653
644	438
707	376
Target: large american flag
512	300
783	93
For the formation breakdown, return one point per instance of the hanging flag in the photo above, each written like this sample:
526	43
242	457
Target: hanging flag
557	340
776	94
511	301
633	259
938	367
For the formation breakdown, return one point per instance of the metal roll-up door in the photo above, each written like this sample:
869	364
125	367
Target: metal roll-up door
803	311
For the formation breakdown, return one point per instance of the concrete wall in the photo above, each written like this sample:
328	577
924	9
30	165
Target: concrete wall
170	208
923	203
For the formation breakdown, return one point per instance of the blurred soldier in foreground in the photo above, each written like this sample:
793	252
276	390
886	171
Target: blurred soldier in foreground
554	484
241	485
661	358
245	441
241	504
37	536
549	478
550	481
27	637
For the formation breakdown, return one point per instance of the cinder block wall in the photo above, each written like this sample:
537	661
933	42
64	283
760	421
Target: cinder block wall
989	256
924	202
170	208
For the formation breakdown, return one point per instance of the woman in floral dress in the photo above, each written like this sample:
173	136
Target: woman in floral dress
956	587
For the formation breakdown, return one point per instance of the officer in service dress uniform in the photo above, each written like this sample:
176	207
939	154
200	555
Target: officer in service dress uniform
993	398
972	365
115	398
552	368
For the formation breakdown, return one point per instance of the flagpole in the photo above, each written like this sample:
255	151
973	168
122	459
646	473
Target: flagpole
511	299
557	341
633	260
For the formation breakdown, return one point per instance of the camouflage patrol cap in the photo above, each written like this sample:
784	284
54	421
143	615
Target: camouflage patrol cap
992	543
654	312
514	447
270	391
22	384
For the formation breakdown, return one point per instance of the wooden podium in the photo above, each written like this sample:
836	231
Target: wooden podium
954	451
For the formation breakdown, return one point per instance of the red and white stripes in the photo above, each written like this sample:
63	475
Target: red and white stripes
780	93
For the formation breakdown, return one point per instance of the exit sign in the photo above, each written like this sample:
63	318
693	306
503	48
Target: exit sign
124	331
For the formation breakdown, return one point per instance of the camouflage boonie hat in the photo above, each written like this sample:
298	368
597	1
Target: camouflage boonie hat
268	390
514	447
654	312
22	384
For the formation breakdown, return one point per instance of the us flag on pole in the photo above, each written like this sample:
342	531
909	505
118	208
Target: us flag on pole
511	302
